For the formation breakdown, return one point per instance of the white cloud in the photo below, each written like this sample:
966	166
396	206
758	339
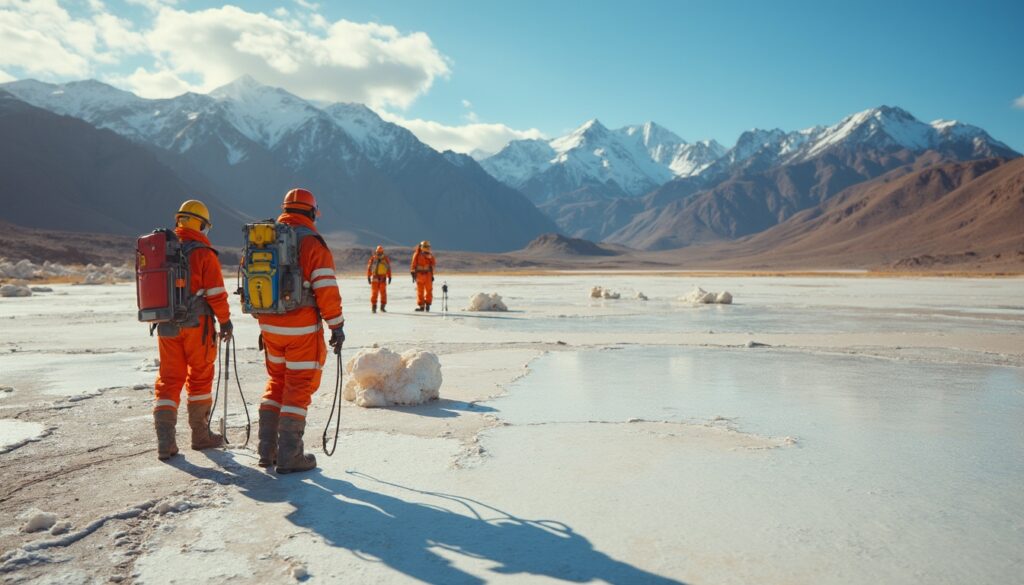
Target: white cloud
200	50
5	76
465	138
467	104
1019	102
346	61
153	5
42	39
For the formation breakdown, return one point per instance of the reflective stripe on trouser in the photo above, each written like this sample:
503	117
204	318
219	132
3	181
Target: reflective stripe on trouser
185	360
424	288
294	364
379	286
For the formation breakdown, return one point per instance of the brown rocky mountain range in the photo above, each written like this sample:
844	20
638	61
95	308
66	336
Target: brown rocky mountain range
942	215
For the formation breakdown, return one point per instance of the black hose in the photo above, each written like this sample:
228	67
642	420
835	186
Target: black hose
335	403
229	352
238	382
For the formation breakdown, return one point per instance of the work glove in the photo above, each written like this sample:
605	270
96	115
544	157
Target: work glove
413	275
431	278
368	280
389	280
337	338
226	330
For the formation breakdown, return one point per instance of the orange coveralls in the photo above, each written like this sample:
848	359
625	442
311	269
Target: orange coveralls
187	359
378	281
294	342
423	263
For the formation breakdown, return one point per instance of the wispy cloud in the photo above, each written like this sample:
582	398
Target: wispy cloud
465	138
1019	102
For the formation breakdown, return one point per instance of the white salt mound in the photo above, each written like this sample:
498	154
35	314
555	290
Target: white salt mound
486	302
603	293
14	290
380	377
699	296
641	296
38	521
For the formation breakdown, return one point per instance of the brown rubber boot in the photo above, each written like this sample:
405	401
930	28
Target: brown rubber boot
166	444
290	455
427	309
374	307
202	436
383	308
267	447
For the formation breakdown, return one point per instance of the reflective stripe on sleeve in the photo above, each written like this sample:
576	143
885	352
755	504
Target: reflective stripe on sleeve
200	292
302	365
215	291
278	330
275	359
200	397
339	320
321	272
165	402
293	410
325	282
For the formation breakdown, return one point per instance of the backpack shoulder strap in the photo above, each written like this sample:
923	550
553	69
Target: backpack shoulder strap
192	245
303	232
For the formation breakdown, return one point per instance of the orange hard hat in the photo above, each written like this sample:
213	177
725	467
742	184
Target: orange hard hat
380	249
300	198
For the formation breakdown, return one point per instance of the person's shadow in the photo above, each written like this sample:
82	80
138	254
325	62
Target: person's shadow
406	535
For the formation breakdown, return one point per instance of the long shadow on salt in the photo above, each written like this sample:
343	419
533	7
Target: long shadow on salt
442	408
401	533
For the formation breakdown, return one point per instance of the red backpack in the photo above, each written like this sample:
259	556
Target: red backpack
163	277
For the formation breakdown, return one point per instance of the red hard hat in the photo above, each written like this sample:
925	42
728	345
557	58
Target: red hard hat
300	198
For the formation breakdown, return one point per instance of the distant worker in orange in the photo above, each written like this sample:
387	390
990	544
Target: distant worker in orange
378	276
188	351
422	268
294	344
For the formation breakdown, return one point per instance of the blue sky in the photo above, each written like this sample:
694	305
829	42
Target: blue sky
702	69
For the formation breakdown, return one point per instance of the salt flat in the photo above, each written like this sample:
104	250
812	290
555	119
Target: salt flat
818	430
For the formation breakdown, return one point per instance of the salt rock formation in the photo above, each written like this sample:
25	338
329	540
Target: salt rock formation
699	296
486	302
380	377
603	293
14	290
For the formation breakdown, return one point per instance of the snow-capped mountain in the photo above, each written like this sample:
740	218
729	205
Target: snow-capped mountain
884	128
668	149
249	143
629	161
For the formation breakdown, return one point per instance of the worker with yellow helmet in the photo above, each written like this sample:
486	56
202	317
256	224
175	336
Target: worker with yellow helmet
188	352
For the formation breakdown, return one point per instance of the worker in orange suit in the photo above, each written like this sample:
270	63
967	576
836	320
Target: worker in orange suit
378	276
422	269
294	343
188	351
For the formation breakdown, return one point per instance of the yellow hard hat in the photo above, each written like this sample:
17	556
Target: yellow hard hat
194	209
425	244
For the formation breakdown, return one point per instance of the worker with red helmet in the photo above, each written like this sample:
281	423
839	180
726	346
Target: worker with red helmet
294	344
422	269
188	351
378	276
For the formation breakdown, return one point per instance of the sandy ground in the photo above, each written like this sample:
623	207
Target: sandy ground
502	480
